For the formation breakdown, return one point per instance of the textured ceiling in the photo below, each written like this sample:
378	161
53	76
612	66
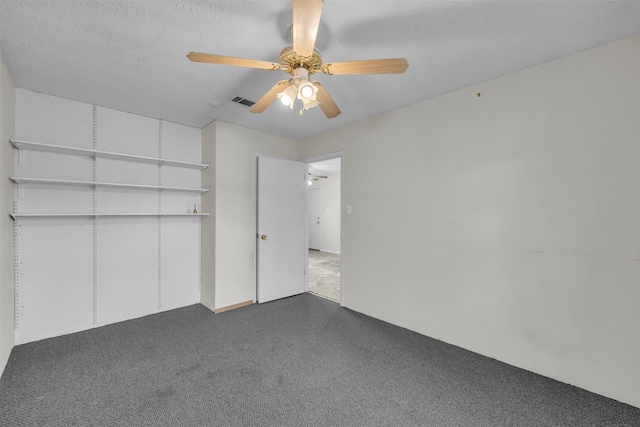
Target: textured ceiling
130	55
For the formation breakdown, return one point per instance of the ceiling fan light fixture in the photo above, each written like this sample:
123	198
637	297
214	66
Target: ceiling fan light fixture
307	91
288	96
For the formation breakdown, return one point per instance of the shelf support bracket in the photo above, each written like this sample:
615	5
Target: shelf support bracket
21	155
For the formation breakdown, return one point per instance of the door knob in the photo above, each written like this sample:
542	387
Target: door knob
263	237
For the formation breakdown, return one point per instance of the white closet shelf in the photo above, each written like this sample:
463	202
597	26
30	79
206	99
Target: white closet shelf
18	180
103	215
37	146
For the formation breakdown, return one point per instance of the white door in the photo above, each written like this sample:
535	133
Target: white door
281	247
315	207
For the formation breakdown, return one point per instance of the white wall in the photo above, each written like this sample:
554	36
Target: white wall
330	216
507	223
236	151
7	94
75	274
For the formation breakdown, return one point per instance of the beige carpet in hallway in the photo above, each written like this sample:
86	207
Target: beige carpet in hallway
324	275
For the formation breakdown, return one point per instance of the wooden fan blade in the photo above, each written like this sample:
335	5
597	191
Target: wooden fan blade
306	20
229	60
269	97
326	104
370	66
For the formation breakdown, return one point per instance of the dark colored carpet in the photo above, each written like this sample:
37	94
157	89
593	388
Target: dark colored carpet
301	361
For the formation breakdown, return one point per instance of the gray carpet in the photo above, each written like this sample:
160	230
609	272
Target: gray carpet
301	361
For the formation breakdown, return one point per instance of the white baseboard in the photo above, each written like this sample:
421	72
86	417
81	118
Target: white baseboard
331	252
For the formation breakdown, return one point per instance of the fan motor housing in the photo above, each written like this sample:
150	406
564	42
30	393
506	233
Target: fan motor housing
290	60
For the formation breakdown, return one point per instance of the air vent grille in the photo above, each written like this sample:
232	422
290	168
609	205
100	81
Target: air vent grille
243	101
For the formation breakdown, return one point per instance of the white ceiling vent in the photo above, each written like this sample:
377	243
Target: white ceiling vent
243	101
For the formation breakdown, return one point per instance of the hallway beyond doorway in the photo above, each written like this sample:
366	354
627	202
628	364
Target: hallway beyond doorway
324	275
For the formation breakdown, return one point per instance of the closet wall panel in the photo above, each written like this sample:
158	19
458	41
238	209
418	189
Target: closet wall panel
180	273
53	120
81	272
55	292
127	268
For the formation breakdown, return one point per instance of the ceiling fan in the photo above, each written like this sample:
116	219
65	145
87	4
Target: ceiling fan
301	61
316	177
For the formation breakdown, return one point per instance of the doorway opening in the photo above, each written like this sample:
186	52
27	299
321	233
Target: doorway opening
324	221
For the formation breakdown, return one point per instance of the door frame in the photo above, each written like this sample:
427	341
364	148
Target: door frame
308	160
333	155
